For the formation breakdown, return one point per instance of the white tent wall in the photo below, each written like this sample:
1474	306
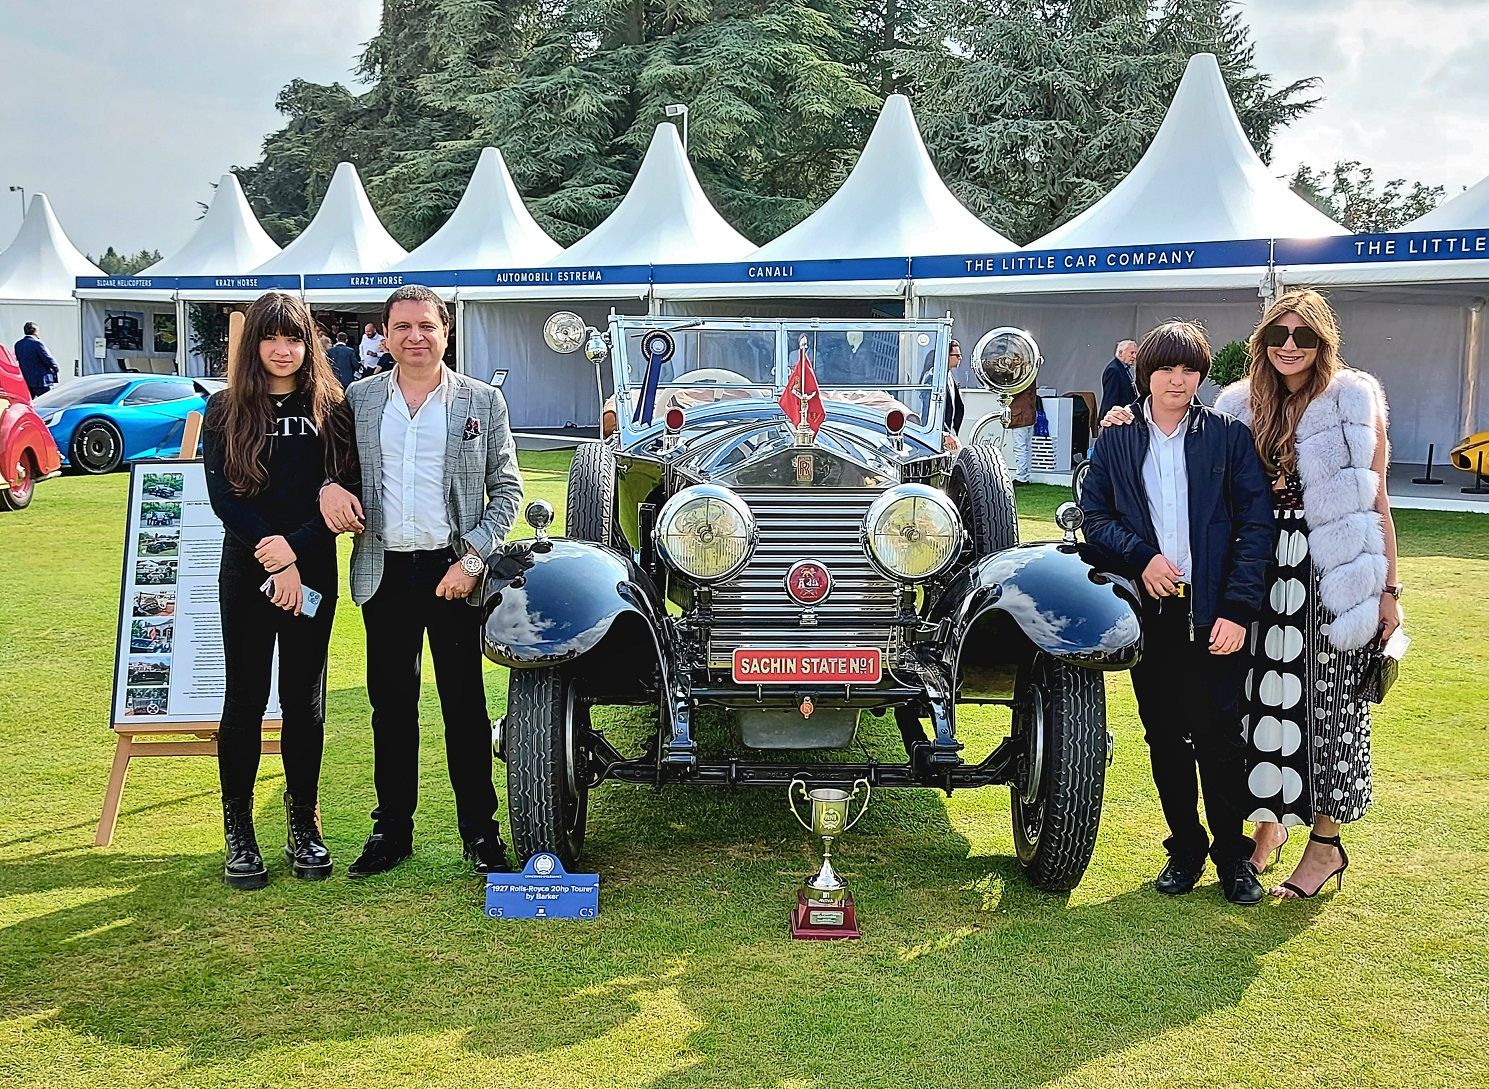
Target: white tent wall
542	388
57	325
149	357
1078	333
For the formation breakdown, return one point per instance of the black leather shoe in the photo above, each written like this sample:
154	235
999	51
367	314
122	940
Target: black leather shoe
379	855
244	866
1179	875
488	854
309	857
1239	884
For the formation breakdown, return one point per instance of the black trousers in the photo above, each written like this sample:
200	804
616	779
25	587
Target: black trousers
1189	702
251	626
397	618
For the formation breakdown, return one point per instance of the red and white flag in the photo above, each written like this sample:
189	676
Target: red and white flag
801	396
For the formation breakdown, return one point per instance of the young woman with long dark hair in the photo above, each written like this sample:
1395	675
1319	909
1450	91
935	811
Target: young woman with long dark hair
268	445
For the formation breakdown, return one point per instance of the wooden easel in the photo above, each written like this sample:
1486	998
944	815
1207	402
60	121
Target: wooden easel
130	741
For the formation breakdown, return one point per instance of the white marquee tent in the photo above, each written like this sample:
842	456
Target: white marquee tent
665	217
1410	306
1185	234
37	272
892	205
227	243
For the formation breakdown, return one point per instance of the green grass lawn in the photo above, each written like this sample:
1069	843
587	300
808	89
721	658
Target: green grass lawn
134	965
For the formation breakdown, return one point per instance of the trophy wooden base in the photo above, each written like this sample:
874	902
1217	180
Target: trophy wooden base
816	920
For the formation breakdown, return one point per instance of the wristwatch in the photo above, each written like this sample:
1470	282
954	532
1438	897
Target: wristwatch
472	564
1394	589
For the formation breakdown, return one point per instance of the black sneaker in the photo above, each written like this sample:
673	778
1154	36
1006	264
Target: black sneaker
488	854
379	855
1180	875
1239	884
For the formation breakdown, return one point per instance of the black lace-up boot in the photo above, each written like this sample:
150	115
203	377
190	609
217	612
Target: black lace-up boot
309	857
244	868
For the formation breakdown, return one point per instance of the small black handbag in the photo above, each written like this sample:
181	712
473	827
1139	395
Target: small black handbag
1379	671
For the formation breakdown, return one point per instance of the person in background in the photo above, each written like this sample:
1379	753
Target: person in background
956	408
1118	381
1180	501
1021	412
371	349
431	497
268	445
343	359
36	363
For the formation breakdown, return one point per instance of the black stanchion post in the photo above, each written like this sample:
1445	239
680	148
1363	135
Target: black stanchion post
1428	478
1478	477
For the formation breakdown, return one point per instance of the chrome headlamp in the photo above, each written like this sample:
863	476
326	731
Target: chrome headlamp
706	532
912	533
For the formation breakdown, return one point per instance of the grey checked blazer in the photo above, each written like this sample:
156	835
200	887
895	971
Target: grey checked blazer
482	483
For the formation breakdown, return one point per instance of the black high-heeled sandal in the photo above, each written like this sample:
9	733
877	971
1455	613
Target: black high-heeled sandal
1337	875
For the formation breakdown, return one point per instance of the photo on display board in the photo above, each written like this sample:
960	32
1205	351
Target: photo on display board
157	514
164	333
124	330
142	702
155	573
163	485
154	636
154	670
155	603
159	545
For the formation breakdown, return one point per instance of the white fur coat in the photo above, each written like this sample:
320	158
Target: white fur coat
1346	537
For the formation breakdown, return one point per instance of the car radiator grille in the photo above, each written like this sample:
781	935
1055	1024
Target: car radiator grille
752	608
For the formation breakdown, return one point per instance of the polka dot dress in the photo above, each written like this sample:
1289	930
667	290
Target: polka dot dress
1307	733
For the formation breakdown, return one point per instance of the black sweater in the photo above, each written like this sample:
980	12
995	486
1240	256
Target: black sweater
288	504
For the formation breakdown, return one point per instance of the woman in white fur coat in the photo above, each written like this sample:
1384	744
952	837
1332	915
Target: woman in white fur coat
1320	428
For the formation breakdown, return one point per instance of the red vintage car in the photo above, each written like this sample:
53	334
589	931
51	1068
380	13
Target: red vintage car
27	450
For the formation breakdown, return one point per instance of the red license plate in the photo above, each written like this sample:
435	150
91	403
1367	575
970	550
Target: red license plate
836	665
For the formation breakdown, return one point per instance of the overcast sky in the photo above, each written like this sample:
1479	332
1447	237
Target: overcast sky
126	113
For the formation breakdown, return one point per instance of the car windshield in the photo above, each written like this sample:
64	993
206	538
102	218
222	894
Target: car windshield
97	390
878	367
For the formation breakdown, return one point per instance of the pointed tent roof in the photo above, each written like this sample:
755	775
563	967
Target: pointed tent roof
665	218
227	242
344	236
893	204
1199	181
1468	209
42	262
489	228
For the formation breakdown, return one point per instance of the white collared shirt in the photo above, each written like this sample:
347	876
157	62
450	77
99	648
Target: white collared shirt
372	349
415	517
1166	480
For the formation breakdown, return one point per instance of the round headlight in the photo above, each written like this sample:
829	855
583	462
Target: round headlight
912	533
706	532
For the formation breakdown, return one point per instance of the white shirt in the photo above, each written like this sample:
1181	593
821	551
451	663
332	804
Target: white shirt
1166	480
372	349
415	517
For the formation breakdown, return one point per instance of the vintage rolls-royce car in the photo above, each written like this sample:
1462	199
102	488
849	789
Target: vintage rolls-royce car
778	526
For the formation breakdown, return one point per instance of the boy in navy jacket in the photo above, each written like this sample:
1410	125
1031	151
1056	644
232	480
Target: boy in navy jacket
1179	500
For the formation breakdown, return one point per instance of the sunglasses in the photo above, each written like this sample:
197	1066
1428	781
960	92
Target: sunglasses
1304	338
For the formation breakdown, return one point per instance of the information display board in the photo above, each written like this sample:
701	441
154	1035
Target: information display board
169	664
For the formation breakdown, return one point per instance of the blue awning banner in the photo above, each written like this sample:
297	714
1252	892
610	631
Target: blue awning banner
1158	257
1352	249
755	272
593	275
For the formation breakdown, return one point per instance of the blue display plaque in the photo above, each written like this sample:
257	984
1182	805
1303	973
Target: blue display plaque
543	890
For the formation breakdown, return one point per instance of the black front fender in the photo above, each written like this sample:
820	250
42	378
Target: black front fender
1055	594
548	602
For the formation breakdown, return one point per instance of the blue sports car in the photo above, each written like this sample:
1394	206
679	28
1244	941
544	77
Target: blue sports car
101	421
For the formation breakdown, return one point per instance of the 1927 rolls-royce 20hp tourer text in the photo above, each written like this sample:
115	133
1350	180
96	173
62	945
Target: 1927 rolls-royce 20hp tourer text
776	525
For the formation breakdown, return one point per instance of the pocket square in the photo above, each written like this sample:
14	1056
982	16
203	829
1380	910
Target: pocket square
472	428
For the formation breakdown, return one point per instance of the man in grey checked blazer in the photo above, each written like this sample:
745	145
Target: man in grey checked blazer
431	493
